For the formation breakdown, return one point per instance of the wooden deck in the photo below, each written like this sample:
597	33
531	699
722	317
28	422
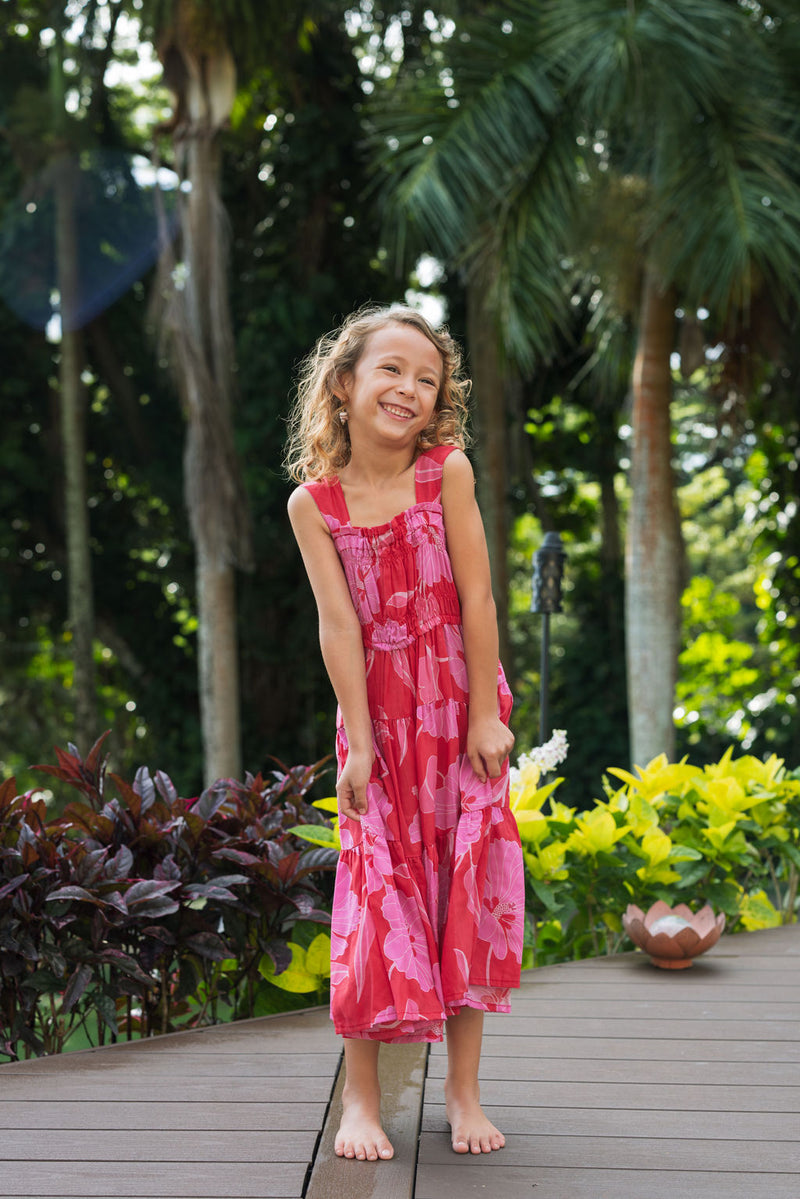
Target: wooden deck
612	1079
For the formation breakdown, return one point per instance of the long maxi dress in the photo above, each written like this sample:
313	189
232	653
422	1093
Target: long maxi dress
428	908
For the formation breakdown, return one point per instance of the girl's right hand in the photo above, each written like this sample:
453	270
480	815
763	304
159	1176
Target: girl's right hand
351	788
489	742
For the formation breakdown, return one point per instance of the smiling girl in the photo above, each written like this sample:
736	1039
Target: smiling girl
427	920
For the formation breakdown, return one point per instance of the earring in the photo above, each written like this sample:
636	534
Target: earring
343	416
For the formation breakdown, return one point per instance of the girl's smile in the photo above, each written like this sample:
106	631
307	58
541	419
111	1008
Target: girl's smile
396	411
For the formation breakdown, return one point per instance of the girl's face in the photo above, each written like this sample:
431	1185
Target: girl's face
391	395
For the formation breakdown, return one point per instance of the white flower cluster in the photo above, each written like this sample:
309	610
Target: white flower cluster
546	757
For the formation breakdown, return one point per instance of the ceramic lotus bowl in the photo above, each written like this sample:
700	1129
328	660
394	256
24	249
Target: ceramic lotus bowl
673	937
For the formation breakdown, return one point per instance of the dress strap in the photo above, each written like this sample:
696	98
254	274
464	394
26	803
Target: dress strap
327	495
429	472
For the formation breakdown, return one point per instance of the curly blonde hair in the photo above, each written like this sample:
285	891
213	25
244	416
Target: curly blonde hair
319	443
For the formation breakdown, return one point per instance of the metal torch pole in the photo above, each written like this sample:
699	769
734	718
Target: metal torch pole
548	565
544	679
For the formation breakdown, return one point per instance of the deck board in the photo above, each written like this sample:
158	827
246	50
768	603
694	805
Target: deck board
518	1182
402	1075
37	1115
153	1180
648	1123
614	1080
611	1079
222	1113
588	1070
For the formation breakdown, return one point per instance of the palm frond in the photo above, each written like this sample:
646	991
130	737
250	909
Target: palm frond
694	102
652	57
489	179
445	163
727	201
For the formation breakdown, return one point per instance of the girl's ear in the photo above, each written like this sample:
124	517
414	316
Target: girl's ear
343	385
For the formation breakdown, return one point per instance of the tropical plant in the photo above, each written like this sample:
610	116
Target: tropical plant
326	835
138	911
727	834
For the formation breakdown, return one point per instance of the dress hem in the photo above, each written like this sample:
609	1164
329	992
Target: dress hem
427	1030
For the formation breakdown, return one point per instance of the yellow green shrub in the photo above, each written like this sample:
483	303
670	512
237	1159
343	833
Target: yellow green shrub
727	834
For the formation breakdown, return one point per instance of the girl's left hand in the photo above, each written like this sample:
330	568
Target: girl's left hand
489	742
351	787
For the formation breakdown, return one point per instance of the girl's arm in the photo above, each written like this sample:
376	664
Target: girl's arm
489	741
342	647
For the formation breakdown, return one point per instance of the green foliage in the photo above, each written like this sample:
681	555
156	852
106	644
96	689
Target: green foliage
571	483
727	834
772	470
138	911
327	835
145	683
738	672
307	969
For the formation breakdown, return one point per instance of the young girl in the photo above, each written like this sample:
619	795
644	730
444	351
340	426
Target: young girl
427	919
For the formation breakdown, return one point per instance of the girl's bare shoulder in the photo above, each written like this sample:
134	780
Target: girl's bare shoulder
457	469
303	508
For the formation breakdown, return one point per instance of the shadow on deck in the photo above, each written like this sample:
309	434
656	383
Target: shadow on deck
611	1079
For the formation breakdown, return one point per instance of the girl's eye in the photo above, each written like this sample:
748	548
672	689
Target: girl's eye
430	382
389	367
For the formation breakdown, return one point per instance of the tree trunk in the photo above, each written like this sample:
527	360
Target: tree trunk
488	390
654	549
72	396
218	667
196	315
214	493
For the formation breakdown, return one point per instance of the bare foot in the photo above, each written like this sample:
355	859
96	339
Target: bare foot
472	1130
360	1133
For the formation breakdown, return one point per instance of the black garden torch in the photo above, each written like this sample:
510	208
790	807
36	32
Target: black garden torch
548	568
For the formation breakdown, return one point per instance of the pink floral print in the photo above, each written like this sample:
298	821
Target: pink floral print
428	909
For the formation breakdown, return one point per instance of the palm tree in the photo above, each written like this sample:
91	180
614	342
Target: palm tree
691	103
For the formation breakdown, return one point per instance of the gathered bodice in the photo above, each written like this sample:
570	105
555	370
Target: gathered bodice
399	573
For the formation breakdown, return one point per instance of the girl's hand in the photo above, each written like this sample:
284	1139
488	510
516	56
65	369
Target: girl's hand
351	789
489	743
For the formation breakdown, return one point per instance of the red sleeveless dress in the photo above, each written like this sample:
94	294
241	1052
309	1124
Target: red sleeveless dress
428	907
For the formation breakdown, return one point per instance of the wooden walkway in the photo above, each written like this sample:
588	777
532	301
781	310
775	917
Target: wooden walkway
612	1080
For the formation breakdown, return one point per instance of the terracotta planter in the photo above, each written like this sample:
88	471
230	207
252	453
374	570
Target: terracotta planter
673	937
